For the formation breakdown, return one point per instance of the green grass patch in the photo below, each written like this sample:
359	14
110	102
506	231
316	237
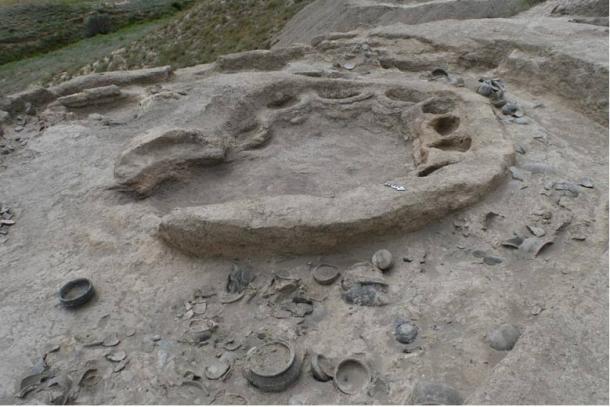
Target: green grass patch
197	35
212	28
29	27
40	69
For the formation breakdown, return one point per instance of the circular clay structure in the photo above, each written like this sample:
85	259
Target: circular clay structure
76	293
321	368
272	367
310	161
325	274
352	376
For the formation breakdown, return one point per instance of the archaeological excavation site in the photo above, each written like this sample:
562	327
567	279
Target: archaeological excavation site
394	202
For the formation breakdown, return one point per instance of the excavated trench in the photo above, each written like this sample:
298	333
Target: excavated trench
495	293
311	148
319	147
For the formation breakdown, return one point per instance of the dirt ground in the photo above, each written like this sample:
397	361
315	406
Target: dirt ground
453	277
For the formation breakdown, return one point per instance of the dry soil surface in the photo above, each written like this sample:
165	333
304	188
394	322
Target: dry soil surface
135	185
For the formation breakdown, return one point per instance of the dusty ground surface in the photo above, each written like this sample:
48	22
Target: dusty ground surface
325	16
452	278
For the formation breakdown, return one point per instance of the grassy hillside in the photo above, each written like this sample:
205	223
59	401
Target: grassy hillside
209	29
68	61
30	27
196	35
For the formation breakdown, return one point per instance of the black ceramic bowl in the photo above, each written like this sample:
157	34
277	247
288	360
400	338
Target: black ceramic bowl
76	293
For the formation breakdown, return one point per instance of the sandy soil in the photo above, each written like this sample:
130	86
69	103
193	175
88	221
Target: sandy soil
71	221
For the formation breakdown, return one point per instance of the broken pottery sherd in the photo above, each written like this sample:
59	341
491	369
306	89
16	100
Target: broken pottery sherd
363	272
570	187
479	254
485	89
498	102
536	231
217	369
90	375
509	108
231	345
532	246
199	308
111	340
202	329
489	218
517	174
363	284
366	294
231	298
439	72
514	242
321	367
492	260
32	381
120	366
89	339
116	356
586	182
239	279
59	390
